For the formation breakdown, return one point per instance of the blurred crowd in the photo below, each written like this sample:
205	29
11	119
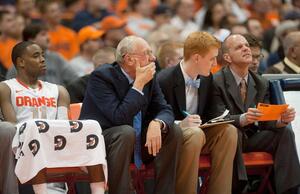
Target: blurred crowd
72	31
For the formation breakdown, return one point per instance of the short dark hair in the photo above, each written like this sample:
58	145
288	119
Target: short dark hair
19	50
32	30
253	41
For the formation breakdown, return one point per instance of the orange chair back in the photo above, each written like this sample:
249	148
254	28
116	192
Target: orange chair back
74	111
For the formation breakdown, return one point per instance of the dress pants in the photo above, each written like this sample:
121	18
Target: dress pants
120	142
220	142
281	144
8	179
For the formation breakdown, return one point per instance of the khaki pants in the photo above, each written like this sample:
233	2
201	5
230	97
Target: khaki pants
220	142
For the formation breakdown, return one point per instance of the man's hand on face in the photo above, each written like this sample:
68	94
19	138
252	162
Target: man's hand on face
143	75
153	139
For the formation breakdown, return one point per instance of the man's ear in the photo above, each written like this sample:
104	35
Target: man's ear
292	52
20	62
195	57
227	58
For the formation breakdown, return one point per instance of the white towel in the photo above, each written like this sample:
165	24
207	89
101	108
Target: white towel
57	143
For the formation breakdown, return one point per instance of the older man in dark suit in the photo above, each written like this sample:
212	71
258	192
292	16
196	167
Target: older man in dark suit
239	90
126	100
187	88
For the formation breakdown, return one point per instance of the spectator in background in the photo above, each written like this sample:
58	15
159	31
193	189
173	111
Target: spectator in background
139	19
61	39
115	30
58	70
162	15
291	63
104	55
27	9
212	20
76	89
183	19
19	27
228	21
255	28
255	45
89	39
232	8
158	37
7	38
239	29
276	50
95	11
265	12
169	54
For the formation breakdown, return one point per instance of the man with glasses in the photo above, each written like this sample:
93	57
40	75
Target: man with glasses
256	50
125	98
291	62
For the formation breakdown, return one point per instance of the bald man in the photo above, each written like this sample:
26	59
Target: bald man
291	62
240	90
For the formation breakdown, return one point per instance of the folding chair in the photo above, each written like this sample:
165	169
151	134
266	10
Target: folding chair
260	163
203	172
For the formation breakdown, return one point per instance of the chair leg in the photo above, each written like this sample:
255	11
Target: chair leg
71	186
270	188
265	181
203	188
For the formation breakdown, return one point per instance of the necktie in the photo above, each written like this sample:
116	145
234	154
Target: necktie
193	83
243	90
137	125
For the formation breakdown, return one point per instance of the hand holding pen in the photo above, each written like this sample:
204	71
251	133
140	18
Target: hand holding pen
190	120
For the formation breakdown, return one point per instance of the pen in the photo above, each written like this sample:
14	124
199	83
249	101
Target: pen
185	113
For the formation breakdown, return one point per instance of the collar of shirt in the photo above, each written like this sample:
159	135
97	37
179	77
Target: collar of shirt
130	80
237	78
291	65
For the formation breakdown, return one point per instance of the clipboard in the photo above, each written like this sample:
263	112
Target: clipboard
210	124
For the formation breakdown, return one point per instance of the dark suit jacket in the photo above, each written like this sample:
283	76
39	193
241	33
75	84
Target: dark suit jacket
111	101
226	95
172	83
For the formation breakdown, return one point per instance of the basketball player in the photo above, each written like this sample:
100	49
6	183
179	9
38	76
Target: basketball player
25	97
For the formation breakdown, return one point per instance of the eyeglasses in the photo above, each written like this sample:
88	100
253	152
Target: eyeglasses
258	57
145	53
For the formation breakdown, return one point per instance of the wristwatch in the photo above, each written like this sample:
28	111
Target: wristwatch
163	127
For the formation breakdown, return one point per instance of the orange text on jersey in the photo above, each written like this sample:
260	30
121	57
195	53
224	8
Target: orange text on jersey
35	102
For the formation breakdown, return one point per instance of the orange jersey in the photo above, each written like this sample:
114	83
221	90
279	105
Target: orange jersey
6	46
64	41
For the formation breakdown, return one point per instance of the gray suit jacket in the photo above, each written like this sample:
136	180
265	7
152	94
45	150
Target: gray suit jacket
226	95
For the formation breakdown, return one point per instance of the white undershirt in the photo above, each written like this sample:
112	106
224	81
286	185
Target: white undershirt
191	93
